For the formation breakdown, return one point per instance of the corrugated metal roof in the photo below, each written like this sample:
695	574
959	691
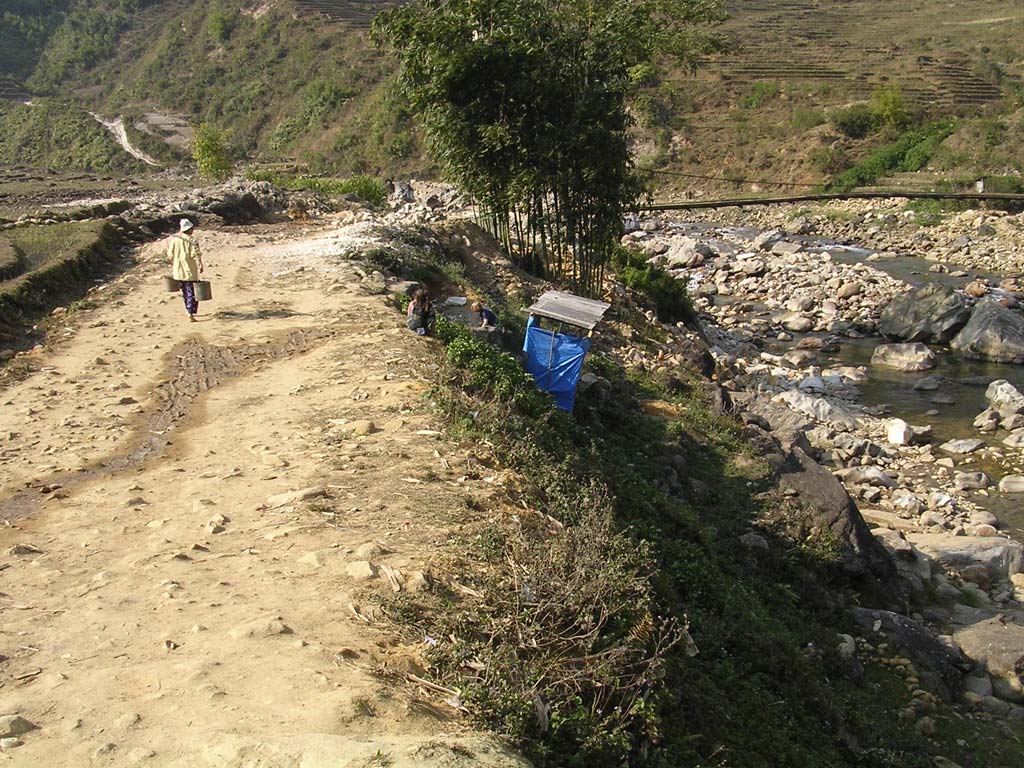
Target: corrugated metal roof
567	308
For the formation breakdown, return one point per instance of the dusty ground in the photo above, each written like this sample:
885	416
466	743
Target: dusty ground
161	602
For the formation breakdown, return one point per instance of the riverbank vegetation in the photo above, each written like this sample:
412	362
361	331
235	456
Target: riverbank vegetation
910	152
609	613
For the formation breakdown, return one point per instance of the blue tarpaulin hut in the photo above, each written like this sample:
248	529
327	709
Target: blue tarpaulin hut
555	358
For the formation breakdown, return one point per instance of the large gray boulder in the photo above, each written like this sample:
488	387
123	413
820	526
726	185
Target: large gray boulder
998	643
932	314
904	357
918	643
685	252
818	408
834	514
767	240
1005	397
1001	557
994	332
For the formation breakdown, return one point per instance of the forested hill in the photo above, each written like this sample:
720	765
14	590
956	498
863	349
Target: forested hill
805	91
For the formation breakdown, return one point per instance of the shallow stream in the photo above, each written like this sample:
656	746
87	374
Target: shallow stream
892	392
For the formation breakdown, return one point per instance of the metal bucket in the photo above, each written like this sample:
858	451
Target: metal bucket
171	285
203	292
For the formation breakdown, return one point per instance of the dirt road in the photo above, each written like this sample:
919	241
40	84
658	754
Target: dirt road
197	519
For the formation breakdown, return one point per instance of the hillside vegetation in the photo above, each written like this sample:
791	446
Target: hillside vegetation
786	102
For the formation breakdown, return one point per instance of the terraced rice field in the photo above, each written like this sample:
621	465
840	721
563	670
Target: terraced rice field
851	47
355	13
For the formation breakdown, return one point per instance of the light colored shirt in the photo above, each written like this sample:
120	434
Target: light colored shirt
183	251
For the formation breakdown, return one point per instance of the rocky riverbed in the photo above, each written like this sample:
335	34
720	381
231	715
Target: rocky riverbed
794	318
970	239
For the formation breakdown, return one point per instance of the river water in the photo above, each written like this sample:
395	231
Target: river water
890	392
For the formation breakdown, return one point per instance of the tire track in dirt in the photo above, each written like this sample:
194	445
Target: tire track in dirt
198	368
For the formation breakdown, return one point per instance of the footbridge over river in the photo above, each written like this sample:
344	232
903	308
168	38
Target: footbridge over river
686	205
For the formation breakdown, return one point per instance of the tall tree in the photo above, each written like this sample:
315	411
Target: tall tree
525	106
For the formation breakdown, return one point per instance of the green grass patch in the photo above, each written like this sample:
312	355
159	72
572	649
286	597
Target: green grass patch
42	244
760	94
366	188
910	152
671	301
59	262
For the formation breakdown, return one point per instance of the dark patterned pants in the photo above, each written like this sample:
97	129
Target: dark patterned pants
188	290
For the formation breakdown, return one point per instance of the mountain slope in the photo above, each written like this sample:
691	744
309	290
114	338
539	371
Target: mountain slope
299	81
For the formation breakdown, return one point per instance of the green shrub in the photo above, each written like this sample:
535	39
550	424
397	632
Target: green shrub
210	152
993	132
760	94
856	122
888	108
804	119
491	372
1006	185
830	160
910	152
222	21
644	75
669	296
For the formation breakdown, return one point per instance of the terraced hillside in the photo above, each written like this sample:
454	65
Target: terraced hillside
12	90
762	111
356	13
856	45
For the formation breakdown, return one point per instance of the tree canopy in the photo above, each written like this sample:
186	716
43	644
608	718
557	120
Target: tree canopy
525	106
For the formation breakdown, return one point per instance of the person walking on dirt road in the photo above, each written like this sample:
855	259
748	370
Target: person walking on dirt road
183	250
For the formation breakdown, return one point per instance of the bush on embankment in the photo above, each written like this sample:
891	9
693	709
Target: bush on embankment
669	296
910	152
633	630
12	263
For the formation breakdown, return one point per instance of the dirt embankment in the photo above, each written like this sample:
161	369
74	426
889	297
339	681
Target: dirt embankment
204	520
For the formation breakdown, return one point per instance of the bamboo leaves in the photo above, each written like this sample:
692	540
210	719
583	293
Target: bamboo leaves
524	103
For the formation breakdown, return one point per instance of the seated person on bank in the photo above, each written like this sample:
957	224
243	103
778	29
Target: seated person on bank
487	317
421	317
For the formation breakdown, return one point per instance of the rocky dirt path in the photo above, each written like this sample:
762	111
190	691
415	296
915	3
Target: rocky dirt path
197	523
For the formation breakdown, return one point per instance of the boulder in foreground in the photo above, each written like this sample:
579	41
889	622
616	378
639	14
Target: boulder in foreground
833	511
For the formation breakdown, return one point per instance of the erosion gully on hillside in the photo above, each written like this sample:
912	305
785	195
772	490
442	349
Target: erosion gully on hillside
201	520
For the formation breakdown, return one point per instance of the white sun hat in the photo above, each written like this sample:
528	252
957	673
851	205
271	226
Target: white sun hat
186	225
